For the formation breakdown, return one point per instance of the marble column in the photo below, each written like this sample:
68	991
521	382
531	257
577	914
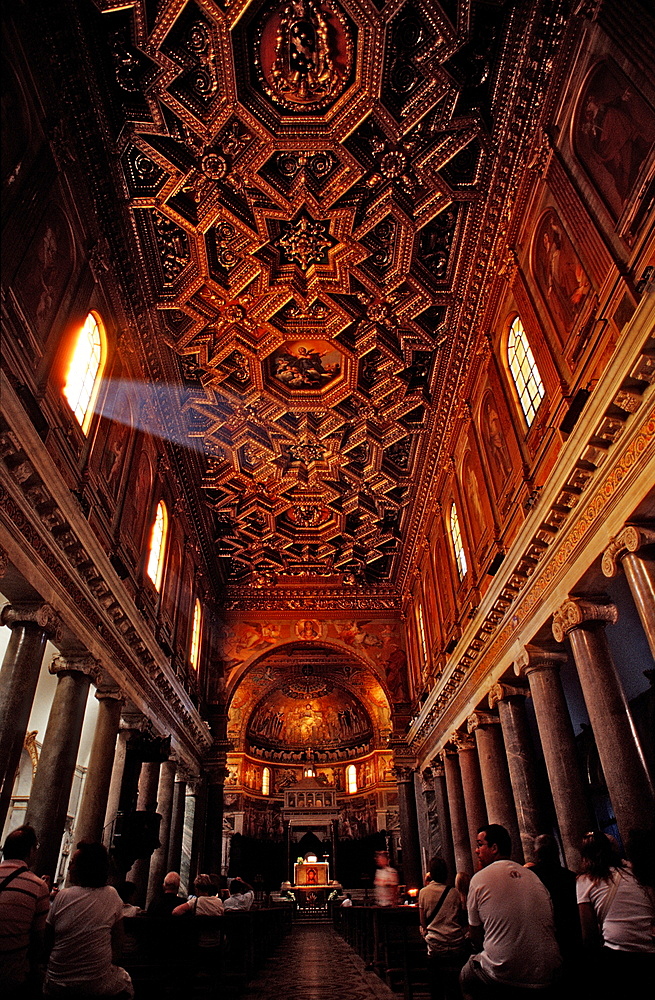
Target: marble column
216	772
48	804
165	809
476	812
446	849
634	550
412	868
115	786
198	829
146	802
31	626
430	817
93	806
174	857
495	776
458	823
520	761
574	816
334	836
626	774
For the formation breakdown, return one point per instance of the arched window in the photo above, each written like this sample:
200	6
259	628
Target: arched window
458	545
524	371
85	370
194	651
157	551
351	779
421	631
266	781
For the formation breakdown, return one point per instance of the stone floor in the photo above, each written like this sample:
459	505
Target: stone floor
314	963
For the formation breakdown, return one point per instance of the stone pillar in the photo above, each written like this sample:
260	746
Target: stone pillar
476	813
165	809
446	849
146	802
48	805
174	857
458	823
334	836
412	868
93	806
520	760
626	775
216	772
574	817
495	776
431	817
31	626
633	549
287	842
199	794
115	785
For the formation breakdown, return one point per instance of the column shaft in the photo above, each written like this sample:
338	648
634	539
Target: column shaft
48	805
164	808
574	816
624	767
443	814
458	823
90	819
476	813
115	785
496	783
412	868
174	858
522	773
31	626
146	802
640	574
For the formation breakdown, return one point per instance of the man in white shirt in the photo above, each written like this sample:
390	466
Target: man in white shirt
386	881
511	924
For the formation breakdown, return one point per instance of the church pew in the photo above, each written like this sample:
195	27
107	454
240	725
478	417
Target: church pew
389	942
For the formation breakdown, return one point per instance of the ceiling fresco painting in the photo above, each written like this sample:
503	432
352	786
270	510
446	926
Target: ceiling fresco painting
308	183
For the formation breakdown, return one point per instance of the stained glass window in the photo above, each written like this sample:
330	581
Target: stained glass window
458	545
155	568
525	373
85	370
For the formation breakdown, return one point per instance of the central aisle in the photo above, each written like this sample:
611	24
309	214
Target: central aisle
314	963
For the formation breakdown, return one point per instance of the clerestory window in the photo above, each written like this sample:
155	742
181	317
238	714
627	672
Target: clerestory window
196	630
85	368
156	555
458	545
525	373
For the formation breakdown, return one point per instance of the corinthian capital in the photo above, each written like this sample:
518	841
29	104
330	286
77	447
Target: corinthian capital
463	741
633	538
578	612
501	692
537	658
476	719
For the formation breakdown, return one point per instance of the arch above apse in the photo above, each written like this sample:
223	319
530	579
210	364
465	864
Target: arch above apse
260	677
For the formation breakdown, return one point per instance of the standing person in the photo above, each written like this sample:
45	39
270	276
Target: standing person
511	925
24	901
386	881
84	932
442	926
617	911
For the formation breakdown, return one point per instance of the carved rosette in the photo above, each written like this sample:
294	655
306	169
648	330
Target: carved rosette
578	613
77	663
536	658
633	538
41	615
501	692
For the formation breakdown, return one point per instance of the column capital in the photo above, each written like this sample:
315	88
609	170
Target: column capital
77	663
577	612
632	538
438	770
463	741
107	692
477	719
538	658
403	772
501	692
135	722
427	779
42	615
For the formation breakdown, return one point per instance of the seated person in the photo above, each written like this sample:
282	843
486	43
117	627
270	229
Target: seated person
204	904
127	892
168	898
84	929
241	895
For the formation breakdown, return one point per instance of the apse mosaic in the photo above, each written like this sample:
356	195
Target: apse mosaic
326	717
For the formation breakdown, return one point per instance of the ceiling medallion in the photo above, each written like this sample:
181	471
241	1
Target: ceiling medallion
304	242
305	54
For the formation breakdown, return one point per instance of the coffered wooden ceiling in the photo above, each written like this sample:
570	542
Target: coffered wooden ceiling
320	193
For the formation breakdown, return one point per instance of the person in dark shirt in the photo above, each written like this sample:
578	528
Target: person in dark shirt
165	901
560	883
